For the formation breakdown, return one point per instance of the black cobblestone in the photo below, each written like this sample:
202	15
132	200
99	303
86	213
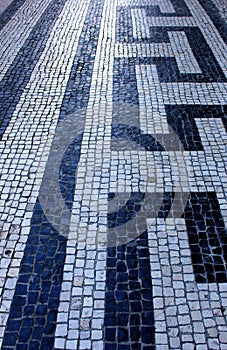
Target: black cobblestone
207	238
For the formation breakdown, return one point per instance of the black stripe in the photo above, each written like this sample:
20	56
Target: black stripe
207	237
129	318
9	12
182	120
213	12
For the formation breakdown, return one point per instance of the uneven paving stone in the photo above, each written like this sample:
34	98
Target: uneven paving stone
113	212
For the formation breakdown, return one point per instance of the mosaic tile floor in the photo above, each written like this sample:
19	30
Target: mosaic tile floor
113	124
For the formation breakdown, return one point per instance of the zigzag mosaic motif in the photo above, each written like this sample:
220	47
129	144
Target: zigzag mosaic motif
113	175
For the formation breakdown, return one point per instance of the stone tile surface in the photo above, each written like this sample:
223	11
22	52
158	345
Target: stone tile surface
113	211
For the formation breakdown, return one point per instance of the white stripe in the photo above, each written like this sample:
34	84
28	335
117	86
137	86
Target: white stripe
17	30
140	25
198	179
185	58
144	50
83	289
171	21
194	93
165	6
222	8
153	119
27	140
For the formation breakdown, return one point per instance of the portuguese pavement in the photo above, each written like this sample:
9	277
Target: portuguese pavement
113	212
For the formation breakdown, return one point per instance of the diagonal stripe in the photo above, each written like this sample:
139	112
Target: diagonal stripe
210	33
14	34
212	9
4	4
19	73
9	12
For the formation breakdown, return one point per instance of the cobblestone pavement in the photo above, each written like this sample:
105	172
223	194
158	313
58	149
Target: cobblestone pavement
113	124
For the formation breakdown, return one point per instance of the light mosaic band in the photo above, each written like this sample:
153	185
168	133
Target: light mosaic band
87	241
